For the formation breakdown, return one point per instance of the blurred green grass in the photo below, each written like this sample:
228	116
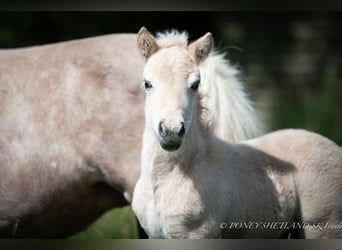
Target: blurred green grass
118	223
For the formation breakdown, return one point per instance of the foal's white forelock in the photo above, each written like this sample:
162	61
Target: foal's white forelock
171	38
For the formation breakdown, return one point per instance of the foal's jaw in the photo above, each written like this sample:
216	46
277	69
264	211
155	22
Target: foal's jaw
170	147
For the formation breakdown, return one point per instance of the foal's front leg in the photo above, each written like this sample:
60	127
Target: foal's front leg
192	228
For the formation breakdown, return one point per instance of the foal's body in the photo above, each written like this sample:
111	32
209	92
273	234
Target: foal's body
289	176
191	182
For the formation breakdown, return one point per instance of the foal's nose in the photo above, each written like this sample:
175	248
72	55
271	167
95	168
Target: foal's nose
165	131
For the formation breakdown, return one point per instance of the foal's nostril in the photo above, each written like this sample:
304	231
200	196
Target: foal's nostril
182	130
161	129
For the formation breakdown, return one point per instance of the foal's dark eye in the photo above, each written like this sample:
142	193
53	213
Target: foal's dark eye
147	84
195	85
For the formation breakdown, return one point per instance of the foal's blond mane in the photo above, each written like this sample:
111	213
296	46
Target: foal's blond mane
224	107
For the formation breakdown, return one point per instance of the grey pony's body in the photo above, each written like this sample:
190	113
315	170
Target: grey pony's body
71	124
69	113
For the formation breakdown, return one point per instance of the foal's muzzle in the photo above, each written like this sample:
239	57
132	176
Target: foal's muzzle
171	138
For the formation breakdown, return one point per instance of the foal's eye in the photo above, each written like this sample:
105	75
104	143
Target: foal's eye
147	84
195	85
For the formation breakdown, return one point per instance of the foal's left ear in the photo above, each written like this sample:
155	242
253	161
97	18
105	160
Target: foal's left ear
146	42
200	48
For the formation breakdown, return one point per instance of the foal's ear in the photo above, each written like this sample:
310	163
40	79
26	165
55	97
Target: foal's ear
147	44
200	48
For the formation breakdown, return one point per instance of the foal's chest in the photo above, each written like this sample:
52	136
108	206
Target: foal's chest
173	209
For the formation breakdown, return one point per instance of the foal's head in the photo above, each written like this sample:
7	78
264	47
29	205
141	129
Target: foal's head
171	80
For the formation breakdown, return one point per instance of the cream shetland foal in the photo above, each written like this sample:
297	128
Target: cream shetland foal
194	185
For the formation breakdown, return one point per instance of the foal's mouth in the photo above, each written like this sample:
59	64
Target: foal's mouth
170	144
170	147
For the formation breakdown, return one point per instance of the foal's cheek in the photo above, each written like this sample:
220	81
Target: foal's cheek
151	116
189	109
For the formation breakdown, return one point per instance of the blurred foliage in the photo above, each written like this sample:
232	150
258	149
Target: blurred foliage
290	61
317	110
118	223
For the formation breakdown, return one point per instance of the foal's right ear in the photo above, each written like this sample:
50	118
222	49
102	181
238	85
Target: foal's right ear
201	48
147	44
